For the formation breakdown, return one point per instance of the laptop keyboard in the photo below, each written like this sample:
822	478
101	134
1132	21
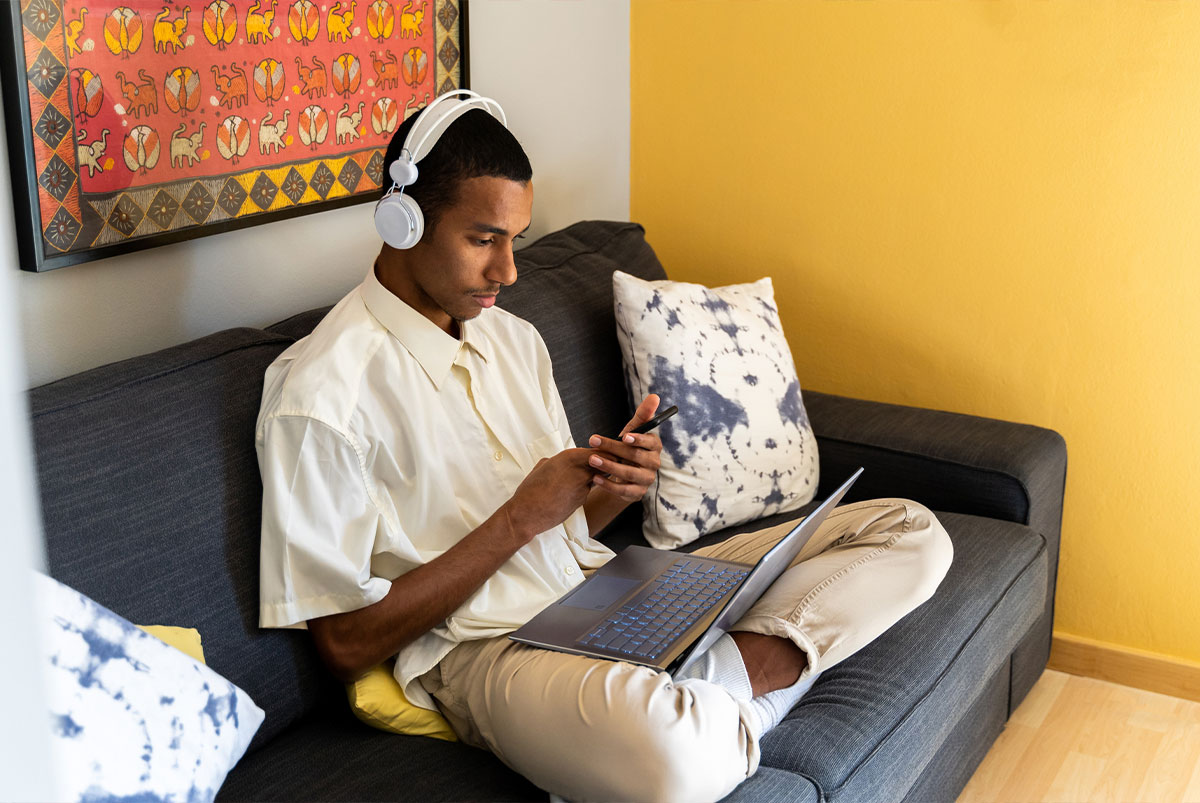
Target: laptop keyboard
685	593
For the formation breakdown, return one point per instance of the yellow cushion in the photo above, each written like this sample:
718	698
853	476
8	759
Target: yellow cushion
378	700
184	639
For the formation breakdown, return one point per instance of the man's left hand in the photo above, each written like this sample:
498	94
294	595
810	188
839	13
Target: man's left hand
628	465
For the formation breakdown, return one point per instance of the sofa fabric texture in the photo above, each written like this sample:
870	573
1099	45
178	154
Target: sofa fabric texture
151	504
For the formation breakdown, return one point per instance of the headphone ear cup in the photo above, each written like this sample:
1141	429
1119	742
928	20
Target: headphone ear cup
418	219
399	221
403	172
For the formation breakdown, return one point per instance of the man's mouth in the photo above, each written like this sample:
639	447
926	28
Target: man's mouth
485	301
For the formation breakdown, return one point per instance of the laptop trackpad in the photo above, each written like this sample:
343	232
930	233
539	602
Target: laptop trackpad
599	592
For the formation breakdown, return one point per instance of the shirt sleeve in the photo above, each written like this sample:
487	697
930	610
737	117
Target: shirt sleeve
319	524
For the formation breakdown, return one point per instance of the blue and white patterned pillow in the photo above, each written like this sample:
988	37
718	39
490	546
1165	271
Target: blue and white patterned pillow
133	718
741	446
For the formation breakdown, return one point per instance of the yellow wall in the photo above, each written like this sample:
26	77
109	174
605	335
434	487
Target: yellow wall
987	206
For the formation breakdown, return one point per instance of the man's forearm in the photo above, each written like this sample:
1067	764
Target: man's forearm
351	643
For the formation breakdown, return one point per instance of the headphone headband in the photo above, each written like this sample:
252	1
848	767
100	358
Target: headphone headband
429	126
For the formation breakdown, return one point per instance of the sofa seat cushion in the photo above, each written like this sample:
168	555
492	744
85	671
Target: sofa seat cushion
854	733
910	685
771	785
336	757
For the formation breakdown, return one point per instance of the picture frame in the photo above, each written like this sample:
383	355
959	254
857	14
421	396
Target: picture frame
136	123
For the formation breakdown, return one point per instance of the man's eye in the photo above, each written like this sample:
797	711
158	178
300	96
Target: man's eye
484	242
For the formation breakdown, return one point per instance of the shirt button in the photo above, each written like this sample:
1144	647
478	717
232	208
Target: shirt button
569	570
498	456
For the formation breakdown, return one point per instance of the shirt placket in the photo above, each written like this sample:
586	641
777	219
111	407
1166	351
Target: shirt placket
500	454
508	466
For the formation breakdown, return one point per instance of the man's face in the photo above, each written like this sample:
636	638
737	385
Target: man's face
457	269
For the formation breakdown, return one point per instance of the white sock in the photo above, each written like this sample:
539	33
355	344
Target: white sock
722	664
773	706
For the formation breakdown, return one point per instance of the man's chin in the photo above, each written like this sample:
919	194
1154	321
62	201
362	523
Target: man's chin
466	316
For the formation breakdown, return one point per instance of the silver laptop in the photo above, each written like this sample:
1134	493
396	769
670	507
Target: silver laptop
665	609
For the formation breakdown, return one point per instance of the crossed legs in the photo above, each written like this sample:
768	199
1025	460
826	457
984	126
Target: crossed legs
590	729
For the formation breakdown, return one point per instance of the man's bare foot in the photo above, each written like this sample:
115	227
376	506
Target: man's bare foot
771	662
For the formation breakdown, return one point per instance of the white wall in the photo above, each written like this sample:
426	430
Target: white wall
25	724
25	772
559	67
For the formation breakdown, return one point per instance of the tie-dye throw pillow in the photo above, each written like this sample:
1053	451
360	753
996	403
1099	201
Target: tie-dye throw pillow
741	446
133	718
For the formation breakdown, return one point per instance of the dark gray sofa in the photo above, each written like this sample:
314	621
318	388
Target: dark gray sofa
150	497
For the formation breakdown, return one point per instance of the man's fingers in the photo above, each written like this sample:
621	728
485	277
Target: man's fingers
626	472
570	465
645	411
625	490
643	451
574	457
647	441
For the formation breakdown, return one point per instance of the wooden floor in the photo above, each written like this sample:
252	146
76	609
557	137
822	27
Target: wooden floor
1078	739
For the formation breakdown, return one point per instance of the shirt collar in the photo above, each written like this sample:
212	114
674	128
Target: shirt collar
432	348
475	337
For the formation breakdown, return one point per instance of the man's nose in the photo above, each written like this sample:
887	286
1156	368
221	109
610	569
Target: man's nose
503	269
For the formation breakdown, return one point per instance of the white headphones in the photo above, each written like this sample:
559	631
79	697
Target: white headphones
398	218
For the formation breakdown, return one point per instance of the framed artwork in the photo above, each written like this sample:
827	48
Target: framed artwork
134	123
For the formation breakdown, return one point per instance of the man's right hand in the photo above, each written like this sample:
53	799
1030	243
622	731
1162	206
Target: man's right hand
555	488
351	643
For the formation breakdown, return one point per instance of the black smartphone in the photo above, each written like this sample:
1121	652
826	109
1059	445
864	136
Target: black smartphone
654	422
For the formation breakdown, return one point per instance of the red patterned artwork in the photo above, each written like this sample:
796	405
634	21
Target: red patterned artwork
149	122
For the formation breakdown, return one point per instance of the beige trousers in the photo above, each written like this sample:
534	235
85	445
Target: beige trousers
590	729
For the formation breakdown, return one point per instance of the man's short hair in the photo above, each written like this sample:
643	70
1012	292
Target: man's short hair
476	144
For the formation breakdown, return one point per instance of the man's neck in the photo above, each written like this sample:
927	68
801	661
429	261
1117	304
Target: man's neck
397	281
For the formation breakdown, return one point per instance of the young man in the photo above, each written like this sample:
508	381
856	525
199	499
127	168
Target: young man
423	498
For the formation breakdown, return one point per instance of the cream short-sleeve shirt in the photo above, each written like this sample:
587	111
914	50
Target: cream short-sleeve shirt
382	441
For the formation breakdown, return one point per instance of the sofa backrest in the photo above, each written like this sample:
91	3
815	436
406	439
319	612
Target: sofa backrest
149	482
564	288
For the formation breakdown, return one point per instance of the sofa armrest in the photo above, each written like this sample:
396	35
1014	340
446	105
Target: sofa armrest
946	461
956	464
